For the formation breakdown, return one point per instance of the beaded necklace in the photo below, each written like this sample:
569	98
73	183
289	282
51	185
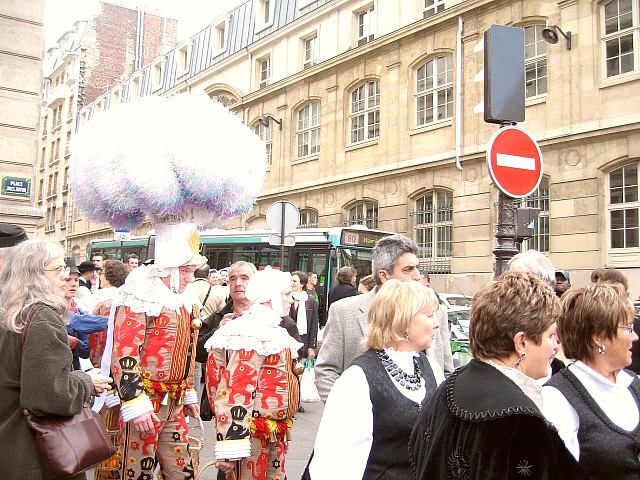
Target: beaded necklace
410	382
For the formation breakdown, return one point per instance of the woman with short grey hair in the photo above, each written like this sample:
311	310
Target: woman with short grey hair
37	375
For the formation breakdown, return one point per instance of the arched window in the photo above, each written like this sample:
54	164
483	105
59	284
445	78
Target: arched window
265	132
364	213
623	207
364	118
539	199
620	36
308	218
434	230
227	99
308	132
535	61
434	90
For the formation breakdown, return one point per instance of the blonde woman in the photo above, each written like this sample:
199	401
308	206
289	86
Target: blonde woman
373	405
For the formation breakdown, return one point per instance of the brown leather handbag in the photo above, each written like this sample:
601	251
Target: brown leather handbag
67	445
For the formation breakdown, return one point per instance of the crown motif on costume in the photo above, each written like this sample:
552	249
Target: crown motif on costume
147	463
128	363
194	242
238	413
161	321
245	354
272	360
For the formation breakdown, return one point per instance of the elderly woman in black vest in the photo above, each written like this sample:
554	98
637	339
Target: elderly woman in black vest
370	411
486	421
594	402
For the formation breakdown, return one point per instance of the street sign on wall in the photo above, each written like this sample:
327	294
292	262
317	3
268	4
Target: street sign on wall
515	162
16	186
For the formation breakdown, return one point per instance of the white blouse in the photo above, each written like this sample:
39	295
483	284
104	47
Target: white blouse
346	427
615	400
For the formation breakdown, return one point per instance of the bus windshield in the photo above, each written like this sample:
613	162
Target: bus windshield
356	258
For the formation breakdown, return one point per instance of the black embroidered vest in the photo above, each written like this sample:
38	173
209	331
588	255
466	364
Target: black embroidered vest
607	451
393	418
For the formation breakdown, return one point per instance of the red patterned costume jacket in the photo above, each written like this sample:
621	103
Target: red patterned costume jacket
253	391
152	355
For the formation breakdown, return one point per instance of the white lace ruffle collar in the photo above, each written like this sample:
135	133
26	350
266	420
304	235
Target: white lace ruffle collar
257	329
145	292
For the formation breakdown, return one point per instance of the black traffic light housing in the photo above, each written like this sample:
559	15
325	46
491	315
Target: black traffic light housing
524	218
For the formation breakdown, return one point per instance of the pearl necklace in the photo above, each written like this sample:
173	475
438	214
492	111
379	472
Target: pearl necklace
410	382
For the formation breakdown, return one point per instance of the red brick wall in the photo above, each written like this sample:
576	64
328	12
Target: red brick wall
112	57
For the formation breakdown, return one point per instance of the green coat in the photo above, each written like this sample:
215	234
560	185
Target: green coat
45	384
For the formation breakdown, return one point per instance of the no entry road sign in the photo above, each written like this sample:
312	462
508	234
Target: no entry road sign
515	162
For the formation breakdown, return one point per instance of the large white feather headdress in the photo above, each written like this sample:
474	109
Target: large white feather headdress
175	159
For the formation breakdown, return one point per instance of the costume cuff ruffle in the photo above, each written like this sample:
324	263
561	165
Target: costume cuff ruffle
111	400
190	397
233	449
136	407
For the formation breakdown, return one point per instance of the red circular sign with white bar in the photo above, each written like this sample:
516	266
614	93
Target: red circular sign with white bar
515	162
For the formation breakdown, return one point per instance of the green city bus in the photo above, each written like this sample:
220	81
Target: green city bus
319	250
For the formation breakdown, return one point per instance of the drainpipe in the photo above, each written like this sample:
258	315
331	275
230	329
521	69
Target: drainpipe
139	37
458	84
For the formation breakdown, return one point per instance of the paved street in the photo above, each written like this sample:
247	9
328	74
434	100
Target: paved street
303	436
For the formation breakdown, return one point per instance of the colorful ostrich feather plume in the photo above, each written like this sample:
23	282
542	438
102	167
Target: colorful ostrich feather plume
180	158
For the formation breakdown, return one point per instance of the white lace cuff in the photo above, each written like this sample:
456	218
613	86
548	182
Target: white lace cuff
111	400
136	407
190	397
232	449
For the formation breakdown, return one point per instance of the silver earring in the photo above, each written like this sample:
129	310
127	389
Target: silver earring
406	336
601	349
519	361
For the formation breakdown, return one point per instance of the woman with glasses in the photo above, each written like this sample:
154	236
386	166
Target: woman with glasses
39	375
594	402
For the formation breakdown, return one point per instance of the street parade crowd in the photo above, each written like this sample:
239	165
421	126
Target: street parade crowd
548	393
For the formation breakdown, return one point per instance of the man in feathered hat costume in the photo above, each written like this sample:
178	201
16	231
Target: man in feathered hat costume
166	159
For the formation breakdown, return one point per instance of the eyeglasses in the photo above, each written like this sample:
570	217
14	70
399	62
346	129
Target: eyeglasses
628	328
62	270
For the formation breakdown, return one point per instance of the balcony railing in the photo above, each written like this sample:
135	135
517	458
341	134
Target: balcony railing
56	94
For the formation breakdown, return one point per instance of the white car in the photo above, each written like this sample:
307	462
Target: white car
452	300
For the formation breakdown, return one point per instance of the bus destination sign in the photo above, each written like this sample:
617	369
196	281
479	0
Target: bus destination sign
361	238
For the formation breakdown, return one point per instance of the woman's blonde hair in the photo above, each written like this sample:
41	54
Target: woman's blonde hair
23	282
392	309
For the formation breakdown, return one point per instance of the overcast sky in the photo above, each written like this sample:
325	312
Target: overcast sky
192	15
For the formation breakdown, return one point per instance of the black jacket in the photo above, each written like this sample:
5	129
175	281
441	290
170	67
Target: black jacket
480	425
340	291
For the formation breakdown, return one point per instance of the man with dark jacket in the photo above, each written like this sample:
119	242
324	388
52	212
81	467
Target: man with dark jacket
346	285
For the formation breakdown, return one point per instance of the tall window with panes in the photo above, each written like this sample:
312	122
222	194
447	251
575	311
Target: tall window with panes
308	132
364	118
623	206
264	66
364	213
535	61
434	230
434	90
431	7
365	25
308	218
538	199
620	25
266	135
310	52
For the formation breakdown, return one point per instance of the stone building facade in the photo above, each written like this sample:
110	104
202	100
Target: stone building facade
21	49
86	62
369	114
